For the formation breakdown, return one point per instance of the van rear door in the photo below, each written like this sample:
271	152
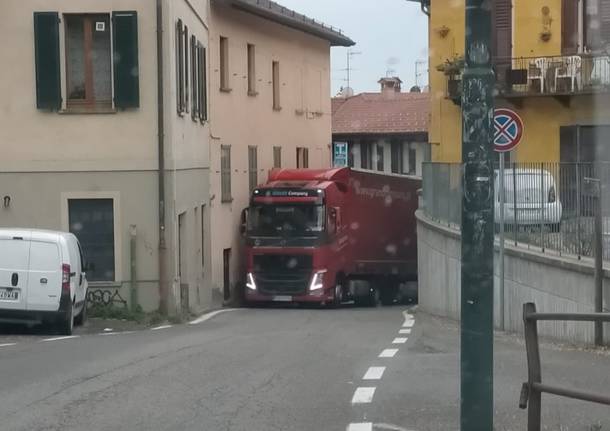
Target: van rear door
44	281
14	263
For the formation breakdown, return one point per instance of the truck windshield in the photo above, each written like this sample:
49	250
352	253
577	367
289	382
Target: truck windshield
286	220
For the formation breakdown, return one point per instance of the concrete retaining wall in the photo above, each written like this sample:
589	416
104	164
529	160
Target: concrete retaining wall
553	283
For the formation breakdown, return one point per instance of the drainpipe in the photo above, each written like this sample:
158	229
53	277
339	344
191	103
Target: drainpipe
163	290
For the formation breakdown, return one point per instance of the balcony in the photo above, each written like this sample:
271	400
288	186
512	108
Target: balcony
560	77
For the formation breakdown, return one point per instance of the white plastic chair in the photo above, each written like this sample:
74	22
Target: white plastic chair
537	72
570	69
601	70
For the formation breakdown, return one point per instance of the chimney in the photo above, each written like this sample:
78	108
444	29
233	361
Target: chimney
390	86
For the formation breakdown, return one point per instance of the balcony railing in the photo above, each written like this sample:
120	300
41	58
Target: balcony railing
557	76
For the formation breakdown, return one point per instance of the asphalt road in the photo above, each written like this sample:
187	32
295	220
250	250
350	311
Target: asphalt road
276	369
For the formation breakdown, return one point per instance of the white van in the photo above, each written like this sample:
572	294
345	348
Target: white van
530	199
42	278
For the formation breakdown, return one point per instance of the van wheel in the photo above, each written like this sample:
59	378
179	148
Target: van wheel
82	317
66	325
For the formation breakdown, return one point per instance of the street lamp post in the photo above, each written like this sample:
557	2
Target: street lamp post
476	366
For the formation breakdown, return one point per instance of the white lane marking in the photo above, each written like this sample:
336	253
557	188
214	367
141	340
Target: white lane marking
388	353
362	426
7	344
363	395
409	319
405	331
408	323
117	333
67	337
161	327
400	340
390	427
107	329
374	373
208	316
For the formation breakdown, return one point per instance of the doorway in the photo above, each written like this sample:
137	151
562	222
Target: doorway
226	263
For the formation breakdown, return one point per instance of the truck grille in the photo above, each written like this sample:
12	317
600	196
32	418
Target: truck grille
279	273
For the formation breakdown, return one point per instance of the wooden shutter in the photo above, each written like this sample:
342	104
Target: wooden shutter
503	29
179	69
569	26
46	46
203	87
125	55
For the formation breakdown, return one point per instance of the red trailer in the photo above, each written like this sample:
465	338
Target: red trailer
326	236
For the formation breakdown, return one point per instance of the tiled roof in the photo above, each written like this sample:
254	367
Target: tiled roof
276	12
374	113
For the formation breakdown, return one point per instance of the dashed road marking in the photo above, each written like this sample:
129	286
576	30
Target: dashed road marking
374	373
388	353
67	337
362	426
208	316
8	344
408	323
117	333
363	395
405	331
161	327
399	340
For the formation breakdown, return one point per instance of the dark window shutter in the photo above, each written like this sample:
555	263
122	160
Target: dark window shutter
46	45
569	26
203	107
125	53
503	27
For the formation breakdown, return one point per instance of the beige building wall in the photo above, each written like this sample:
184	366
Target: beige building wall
50	157
241	120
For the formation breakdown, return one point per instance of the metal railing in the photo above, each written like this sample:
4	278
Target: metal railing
557	75
531	392
548	206
563	75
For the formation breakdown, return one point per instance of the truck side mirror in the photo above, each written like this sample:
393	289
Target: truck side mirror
243	227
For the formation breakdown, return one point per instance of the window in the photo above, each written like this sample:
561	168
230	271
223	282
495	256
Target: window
225	173
88	69
252	167
252	70
276	85
277	157
190	61
302	157
412	160
396	158
585	25
366	155
224	64
350	154
380	158
92	221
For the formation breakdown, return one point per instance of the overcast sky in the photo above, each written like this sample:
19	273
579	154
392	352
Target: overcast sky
390	34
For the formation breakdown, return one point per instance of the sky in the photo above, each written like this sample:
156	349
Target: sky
391	36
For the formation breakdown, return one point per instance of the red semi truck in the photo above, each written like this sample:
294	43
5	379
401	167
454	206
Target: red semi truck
327	236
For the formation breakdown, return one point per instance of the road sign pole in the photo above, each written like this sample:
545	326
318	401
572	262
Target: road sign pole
477	305
501	262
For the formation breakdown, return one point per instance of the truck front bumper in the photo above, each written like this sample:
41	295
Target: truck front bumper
254	296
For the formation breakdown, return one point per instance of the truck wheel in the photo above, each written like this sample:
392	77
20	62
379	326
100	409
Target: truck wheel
387	295
370	300
66	323
338	295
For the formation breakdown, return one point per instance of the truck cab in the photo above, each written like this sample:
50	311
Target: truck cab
291	237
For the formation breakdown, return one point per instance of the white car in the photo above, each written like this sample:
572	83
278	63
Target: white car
42	278
530	199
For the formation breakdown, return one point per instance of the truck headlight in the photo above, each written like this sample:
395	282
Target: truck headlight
250	284
317	281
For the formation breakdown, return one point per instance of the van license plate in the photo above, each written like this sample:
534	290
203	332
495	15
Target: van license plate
282	298
9	295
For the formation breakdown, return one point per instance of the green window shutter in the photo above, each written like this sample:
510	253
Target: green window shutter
46	45
125	55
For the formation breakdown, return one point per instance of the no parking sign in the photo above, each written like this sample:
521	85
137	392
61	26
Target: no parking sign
508	130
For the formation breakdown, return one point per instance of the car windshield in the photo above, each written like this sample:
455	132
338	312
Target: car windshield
286	220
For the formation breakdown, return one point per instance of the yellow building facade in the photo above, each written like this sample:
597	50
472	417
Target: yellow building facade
552	68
